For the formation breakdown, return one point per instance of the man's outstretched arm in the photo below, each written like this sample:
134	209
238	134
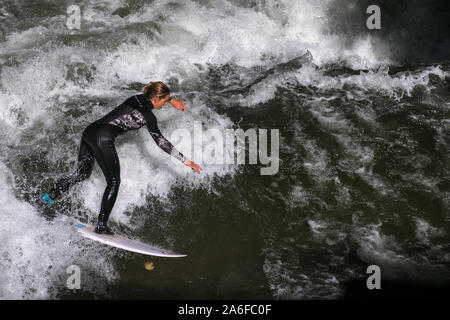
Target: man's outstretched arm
165	144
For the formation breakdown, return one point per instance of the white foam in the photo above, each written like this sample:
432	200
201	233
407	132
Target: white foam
425	231
35	254
318	228
286	281
299	197
28	39
357	87
384	251
222	33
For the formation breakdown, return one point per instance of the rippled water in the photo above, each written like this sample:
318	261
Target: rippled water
364	149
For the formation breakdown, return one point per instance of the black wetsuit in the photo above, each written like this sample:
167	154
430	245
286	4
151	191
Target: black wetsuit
97	142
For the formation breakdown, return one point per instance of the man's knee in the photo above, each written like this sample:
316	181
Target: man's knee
113	182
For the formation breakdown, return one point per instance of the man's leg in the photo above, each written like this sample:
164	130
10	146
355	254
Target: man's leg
108	160
82	172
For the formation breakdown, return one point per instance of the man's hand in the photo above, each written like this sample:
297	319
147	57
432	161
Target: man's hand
178	104
193	165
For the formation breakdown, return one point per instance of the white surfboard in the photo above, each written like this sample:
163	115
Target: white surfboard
124	243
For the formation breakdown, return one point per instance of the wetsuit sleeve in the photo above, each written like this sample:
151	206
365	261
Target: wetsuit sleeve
162	142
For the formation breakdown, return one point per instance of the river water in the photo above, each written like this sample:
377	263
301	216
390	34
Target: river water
364	132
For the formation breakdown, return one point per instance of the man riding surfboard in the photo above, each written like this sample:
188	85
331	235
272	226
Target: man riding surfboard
97	143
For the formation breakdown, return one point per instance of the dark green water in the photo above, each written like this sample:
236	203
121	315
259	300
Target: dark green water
364	151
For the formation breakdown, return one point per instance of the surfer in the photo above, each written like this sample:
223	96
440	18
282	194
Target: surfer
97	143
